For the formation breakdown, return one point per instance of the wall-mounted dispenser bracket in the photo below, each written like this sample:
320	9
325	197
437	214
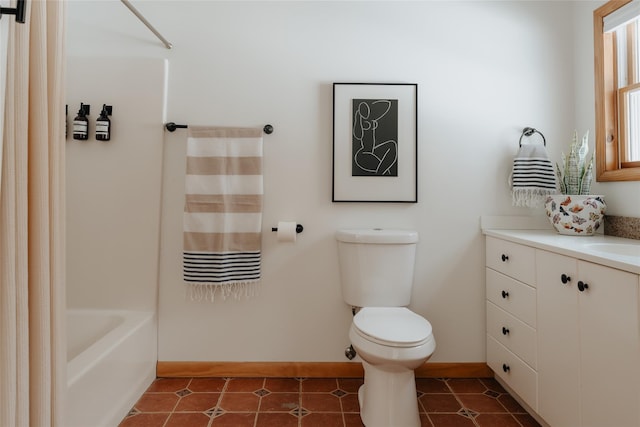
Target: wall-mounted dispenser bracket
86	108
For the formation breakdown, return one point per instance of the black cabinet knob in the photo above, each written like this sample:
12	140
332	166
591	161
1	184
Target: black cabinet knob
505	367
582	286
505	331
565	279
505	258
505	294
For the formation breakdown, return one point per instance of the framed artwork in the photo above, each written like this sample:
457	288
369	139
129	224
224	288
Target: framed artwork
375	142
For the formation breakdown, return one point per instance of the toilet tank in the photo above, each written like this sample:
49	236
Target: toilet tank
376	266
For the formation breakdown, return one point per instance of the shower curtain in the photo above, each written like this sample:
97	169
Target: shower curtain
4	35
32	296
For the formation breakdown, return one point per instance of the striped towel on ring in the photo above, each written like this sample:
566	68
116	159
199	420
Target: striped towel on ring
533	176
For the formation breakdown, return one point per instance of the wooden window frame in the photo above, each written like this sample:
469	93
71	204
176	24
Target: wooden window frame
608	155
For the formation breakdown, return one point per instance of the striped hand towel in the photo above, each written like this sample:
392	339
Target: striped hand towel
223	212
533	177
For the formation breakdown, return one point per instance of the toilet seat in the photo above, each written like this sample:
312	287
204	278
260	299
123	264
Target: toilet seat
392	326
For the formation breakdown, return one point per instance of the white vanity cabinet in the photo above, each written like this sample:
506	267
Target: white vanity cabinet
511	316
563	327
588	343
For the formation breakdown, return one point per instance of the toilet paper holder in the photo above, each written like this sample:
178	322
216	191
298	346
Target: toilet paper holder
299	228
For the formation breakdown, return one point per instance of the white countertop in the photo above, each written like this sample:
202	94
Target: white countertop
579	247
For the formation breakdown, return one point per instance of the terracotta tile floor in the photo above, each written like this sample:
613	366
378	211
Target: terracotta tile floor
315	402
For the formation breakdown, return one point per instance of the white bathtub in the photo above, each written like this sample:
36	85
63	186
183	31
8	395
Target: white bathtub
111	360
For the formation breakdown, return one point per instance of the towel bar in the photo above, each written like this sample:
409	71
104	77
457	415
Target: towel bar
171	127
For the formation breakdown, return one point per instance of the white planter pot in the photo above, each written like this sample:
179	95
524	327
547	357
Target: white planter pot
575	215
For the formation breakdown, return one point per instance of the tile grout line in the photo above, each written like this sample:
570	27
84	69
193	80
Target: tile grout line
502	404
218	402
176	404
300	381
455	395
298	417
257	411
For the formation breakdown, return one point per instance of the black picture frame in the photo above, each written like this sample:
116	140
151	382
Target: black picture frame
375	142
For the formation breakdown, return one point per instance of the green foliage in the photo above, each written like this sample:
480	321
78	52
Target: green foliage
578	173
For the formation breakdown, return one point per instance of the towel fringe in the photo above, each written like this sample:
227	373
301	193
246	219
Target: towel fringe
530	197
237	290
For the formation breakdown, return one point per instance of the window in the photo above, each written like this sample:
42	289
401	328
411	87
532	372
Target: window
617	72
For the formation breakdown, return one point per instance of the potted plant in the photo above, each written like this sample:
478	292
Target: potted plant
575	211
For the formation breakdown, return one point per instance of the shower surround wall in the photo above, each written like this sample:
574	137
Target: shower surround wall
484	71
113	218
113	188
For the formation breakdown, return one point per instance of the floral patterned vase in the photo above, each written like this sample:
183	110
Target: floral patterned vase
575	215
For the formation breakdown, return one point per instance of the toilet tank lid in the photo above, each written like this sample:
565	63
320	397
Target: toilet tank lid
377	235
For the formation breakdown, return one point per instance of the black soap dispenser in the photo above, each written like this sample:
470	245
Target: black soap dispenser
81	123
103	124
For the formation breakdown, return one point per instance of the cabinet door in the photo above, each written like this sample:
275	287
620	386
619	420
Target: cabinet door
558	340
610	353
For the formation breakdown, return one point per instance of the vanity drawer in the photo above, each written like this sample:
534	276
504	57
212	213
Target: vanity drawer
512	259
514	334
512	296
517	374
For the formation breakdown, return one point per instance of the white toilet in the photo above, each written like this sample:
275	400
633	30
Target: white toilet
376	273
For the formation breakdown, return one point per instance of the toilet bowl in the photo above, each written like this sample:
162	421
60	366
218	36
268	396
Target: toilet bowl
376	275
392	342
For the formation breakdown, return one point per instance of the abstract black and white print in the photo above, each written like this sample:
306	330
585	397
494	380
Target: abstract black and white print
374	137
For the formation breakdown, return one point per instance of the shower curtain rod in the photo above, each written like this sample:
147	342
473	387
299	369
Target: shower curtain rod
145	22
18	11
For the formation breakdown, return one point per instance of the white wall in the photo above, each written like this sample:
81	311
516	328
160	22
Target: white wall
485	70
